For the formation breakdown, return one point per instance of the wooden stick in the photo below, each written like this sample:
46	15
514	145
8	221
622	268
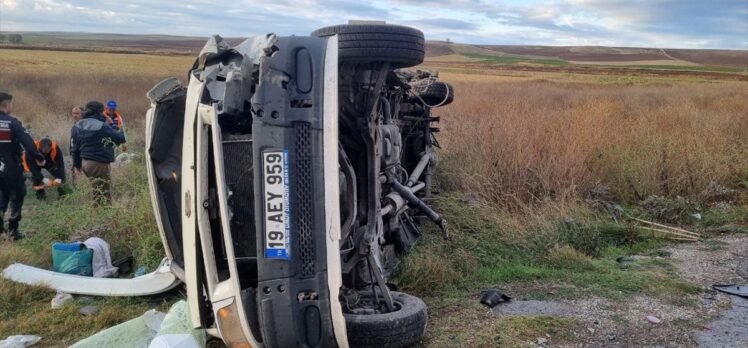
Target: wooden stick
665	226
672	233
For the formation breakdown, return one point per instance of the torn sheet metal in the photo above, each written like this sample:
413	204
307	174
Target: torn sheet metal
215	47
157	282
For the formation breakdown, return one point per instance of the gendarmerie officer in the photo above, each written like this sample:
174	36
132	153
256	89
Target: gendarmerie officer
13	136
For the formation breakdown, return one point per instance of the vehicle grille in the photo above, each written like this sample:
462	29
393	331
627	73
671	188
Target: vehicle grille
303	203
237	152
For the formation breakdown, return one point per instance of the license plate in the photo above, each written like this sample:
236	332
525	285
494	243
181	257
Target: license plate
277	205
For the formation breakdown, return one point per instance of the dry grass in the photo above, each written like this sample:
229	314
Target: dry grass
537	141
47	85
519	142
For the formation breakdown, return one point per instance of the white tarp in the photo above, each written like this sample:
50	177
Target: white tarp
151	330
102	260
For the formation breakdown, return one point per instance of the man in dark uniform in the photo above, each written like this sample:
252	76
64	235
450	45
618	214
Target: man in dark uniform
12	186
54	164
93	142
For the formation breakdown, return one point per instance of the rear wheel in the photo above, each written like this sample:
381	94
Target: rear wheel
368	327
366	43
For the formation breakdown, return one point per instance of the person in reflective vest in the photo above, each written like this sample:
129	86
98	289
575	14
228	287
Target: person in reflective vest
93	142
54	163
117	122
13	137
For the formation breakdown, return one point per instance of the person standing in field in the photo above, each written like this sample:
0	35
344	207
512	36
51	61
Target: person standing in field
76	113
93	142
54	163
13	136
116	119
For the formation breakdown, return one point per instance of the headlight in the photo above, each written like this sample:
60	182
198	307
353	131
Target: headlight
230	327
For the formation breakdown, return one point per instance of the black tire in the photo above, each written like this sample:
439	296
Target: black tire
402	328
400	46
437	93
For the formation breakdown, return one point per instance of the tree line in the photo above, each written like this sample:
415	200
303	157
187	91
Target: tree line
12	38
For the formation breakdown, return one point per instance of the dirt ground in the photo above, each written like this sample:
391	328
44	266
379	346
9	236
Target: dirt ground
704	319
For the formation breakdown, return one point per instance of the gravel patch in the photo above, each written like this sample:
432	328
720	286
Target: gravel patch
533	307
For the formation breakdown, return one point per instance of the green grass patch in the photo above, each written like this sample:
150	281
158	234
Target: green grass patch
508	60
708	68
128	226
486	251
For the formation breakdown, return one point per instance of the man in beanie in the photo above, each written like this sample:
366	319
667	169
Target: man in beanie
12	182
117	121
92	147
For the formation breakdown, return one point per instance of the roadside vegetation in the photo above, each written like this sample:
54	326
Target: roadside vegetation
528	165
532	170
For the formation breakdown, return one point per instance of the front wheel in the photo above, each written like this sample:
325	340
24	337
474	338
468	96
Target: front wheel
368	327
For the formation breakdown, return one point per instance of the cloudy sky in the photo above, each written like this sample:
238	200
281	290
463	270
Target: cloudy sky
641	23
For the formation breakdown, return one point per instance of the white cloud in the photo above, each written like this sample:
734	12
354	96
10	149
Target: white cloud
672	23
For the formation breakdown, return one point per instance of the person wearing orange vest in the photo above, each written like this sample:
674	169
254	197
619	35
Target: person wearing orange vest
117	122
54	164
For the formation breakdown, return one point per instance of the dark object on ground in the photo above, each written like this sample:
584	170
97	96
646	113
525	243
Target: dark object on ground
89	310
625	260
493	297
124	265
732	289
401	328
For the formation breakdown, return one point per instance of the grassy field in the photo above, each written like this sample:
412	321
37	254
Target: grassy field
526	159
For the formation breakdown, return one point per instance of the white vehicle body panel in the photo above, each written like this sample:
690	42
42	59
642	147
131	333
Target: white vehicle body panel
332	188
189	211
163	279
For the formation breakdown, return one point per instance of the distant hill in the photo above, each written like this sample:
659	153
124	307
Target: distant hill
436	51
593	54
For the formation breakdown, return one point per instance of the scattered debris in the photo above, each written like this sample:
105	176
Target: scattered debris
60	299
89	310
675	233
493	297
141	271
541	341
72	258
667	209
157	282
20	341
732	289
126	157
654	320
102	260
152	329
124	265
